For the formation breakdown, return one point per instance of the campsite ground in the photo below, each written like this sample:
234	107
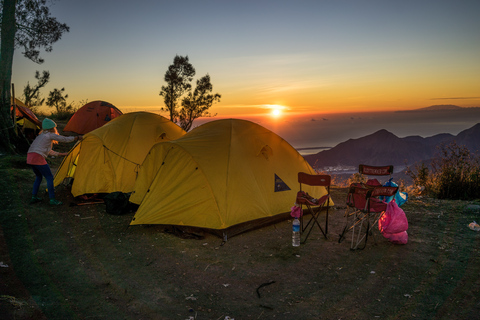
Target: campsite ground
78	262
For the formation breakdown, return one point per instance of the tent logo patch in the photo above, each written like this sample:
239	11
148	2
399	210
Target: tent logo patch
280	185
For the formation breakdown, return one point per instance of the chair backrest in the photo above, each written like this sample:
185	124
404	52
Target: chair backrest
384	191
375	170
314	179
366	199
360	194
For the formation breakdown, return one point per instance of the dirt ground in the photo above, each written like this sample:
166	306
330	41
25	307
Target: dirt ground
78	262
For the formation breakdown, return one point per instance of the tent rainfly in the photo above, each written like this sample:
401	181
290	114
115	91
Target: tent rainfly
222	174
27	120
107	159
91	116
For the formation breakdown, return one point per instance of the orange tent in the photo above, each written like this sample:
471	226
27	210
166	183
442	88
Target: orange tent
23	112
27	121
91	116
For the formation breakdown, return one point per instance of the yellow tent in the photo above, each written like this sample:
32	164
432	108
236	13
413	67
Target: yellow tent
220	174
108	158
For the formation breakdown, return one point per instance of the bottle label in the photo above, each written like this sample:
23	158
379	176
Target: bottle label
296	228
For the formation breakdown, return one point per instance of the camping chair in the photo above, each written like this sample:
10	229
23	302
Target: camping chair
314	206
365	205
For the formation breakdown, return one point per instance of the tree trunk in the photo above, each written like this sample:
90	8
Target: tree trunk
8	30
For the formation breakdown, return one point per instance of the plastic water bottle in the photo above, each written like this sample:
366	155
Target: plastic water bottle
296	233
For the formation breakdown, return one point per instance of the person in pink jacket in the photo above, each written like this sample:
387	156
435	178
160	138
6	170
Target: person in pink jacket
36	157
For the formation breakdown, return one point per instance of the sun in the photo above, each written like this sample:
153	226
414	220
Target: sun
276	113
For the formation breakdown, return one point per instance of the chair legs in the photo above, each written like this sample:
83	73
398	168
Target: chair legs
361	225
314	221
360	231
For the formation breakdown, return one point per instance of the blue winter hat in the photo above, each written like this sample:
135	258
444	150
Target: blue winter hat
48	124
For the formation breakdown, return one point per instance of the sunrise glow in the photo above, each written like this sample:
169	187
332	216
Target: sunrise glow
271	70
276	111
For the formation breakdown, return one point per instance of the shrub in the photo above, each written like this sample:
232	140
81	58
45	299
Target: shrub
357	178
421	182
63	114
454	174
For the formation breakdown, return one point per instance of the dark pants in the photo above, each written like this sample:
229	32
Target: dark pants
43	170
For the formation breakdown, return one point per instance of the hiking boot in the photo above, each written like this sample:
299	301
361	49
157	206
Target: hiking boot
55	202
35	199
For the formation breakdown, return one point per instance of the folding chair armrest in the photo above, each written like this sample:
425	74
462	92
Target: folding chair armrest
323	199
304	198
306	201
312	201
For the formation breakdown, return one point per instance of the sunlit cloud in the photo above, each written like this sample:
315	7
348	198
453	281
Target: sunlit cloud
240	109
274	107
290	85
457	98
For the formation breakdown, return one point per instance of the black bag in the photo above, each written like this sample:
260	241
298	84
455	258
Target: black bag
117	203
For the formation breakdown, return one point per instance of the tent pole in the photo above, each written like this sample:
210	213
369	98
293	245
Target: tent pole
14	105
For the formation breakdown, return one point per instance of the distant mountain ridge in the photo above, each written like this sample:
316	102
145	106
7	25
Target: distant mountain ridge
385	148
439	107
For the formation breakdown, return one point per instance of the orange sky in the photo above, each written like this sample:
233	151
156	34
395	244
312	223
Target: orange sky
309	57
